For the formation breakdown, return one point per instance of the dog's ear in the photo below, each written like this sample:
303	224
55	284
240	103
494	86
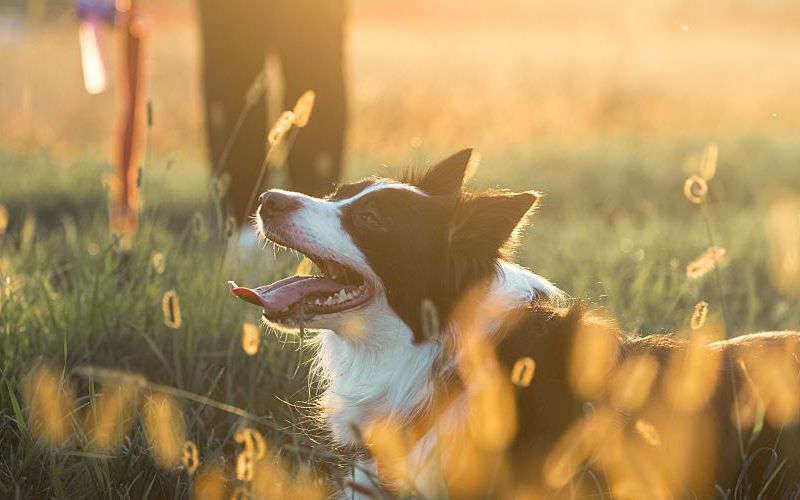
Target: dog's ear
484	227
447	176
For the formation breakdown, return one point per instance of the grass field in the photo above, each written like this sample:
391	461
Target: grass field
601	125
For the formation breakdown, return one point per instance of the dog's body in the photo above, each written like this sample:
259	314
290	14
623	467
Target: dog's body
388	251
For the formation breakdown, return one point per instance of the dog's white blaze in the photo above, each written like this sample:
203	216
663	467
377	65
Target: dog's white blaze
379	186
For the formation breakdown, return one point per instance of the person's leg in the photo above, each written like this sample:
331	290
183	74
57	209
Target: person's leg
311	52
232	33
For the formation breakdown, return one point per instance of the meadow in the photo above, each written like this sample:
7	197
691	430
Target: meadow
604	112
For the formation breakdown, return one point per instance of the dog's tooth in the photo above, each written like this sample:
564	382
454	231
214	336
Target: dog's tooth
329	301
318	302
342	294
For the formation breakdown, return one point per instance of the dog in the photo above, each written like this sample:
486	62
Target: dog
422	316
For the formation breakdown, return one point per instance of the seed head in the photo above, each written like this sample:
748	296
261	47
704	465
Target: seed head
158	263
190	457
648	432
50	405
171	309
3	219
522	373
251	338
165	429
303	107
699	315
244	466
708	162
695	189
282	125
705	263
253	442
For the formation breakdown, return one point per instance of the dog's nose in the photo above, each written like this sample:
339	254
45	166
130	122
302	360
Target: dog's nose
276	202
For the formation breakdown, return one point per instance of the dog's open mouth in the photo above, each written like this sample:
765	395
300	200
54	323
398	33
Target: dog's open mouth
297	298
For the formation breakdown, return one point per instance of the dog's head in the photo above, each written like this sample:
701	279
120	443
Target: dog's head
383	247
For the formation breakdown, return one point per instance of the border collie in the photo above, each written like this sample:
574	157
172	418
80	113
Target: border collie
389	250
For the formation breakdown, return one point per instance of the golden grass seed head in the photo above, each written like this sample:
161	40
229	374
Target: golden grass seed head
695	189
693	372
158	262
593	358
575	446
282	125
209	483
648	432
251	338
303	107
165	429
253	442
50	404
708	162
3	218
699	314
522	372
705	263
112	415
170	306
305	267
389	446
244	465
190	457
633	381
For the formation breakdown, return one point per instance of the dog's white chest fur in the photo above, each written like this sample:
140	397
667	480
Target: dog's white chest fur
385	374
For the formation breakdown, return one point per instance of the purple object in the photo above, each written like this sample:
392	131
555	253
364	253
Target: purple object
96	10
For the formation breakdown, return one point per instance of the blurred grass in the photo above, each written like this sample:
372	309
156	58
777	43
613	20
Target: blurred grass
597	108
613	227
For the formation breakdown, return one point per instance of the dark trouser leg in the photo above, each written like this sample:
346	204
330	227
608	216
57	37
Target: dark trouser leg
233	42
311	51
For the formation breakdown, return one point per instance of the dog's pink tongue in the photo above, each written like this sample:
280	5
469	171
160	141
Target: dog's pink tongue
282	294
